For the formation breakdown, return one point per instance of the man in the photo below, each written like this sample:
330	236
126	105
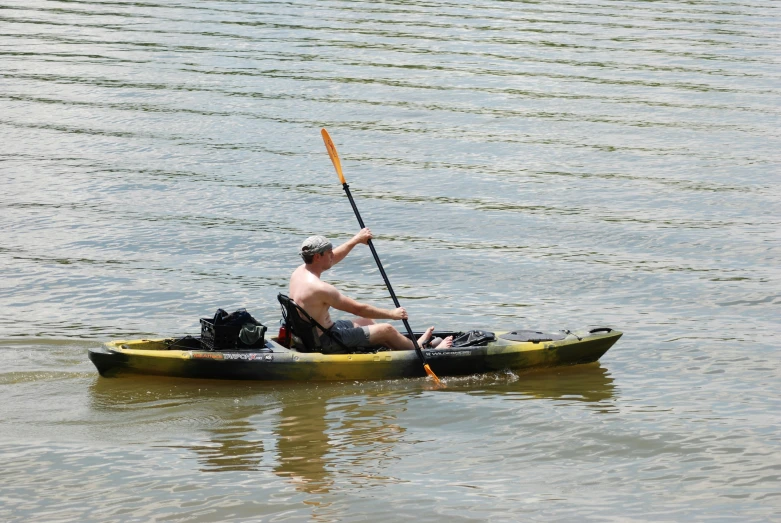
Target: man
316	297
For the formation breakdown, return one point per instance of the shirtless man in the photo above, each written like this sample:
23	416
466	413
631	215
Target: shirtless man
316	297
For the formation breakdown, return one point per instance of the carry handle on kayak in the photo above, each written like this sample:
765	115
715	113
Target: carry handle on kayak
329	145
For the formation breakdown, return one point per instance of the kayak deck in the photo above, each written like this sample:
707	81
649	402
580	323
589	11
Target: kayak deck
185	358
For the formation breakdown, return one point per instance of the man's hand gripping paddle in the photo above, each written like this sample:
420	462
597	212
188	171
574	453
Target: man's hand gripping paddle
338	166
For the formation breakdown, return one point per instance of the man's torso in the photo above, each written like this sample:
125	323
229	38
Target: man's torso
309	291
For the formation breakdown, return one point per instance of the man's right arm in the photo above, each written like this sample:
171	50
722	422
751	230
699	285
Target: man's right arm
339	301
363	236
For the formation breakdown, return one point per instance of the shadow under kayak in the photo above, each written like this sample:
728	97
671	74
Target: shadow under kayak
514	350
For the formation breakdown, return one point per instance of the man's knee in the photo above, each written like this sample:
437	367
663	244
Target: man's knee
381	332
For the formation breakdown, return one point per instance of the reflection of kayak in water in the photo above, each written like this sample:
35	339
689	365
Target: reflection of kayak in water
589	383
470	354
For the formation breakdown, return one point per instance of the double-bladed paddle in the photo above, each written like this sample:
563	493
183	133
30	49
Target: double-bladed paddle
329	144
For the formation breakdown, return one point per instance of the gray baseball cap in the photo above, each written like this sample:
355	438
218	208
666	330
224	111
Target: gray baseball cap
315	245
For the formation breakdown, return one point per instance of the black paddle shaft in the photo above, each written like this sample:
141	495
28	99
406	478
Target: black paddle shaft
382	271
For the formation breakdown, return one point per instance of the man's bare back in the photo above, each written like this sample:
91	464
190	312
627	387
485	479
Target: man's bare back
317	297
311	293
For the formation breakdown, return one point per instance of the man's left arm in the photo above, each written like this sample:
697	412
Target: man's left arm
363	236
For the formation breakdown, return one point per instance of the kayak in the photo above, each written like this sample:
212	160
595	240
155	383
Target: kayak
471	354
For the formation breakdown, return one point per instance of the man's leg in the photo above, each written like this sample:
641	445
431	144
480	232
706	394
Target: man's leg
386	334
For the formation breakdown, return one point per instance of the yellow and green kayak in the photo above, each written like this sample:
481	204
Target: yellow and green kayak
488	352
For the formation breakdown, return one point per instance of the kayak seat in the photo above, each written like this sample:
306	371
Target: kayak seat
303	326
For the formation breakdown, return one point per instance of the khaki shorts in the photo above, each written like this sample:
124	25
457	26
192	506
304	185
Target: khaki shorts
350	335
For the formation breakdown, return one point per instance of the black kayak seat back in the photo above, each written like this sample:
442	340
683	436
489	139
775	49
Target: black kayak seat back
303	326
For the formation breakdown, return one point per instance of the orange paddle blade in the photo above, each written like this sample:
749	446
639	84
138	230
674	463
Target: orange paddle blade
329	145
431	373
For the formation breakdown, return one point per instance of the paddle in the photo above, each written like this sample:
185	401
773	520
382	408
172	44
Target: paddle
338	166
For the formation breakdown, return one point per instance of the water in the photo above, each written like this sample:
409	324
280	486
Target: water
550	165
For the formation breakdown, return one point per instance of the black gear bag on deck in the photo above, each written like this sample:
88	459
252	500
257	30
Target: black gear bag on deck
237	330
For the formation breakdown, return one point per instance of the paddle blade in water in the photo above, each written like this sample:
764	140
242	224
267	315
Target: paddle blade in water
431	373
329	145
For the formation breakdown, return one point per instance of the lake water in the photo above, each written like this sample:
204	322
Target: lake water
521	164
